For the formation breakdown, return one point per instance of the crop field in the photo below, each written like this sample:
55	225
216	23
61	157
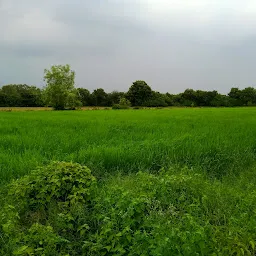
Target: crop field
178	181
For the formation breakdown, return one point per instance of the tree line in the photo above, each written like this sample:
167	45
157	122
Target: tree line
61	93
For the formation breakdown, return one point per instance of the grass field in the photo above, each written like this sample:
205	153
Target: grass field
204	203
218	141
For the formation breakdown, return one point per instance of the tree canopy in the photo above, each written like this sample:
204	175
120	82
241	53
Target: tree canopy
60	93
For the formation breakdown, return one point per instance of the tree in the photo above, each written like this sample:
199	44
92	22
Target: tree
188	98
73	100
99	97
85	96
60	88
10	96
31	96
235	97
114	97
156	100
248	96
20	95
139	93
123	104
169	99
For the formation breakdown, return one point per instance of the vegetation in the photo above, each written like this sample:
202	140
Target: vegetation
60	210
219	141
123	104
60	93
20	95
177	181
41	206
149	182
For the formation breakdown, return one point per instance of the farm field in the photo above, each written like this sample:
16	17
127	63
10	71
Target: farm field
175	181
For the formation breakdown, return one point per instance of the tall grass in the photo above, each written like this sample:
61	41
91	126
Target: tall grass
169	182
218	141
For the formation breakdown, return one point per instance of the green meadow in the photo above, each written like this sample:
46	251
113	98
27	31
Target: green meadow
175	181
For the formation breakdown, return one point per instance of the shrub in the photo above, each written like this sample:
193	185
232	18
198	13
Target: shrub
44	204
123	104
171	213
158	102
118	106
59	210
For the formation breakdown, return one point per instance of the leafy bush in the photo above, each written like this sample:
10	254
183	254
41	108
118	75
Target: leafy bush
172	213
118	106
123	104
43	204
60	210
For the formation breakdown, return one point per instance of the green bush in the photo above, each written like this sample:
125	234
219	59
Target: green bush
44	204
123	104
60	210
118	106
172	213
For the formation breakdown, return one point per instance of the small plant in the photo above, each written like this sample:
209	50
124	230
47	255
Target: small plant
44	204
123	104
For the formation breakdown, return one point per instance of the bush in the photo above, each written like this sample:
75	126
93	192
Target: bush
158	102
172	213
44	204
123	104
118	106
59	210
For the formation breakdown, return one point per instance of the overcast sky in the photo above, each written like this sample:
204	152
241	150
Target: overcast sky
171	44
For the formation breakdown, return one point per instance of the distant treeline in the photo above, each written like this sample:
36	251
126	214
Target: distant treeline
139	94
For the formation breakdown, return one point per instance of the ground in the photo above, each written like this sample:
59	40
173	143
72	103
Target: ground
206	156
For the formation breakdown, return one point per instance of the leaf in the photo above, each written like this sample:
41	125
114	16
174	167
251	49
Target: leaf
108	248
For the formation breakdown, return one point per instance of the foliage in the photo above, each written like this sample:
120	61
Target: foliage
157	100
170	212
73	101
139	93
60	91
123	104
137	207
85	96
118	106
246	97
41	209
99	97
20	95
114	98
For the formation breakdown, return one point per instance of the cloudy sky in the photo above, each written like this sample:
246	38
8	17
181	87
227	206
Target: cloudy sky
171	44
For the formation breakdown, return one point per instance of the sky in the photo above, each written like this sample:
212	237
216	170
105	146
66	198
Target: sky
171	44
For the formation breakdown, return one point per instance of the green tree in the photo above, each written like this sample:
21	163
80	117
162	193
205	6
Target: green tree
235	96
99	97
169	99
60	87
20	95
139	93
85	96
156	100
248	96
114	98
10	96
123	104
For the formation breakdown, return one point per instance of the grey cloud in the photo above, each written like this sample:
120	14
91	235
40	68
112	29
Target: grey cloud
112	43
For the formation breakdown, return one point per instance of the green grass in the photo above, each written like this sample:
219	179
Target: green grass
218	141
175	181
